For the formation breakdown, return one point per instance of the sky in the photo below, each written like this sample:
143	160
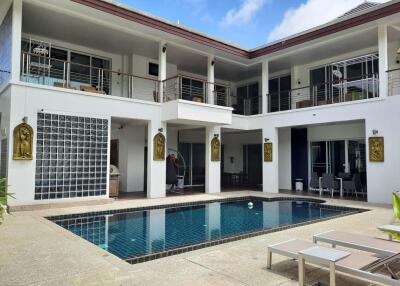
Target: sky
248	23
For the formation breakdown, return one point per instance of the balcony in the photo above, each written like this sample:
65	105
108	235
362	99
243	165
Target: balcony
393	82
344	90
43	70
195	90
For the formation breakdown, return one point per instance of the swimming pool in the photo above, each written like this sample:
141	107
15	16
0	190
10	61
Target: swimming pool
142	234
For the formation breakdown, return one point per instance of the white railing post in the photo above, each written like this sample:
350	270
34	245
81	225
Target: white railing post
64	76
68	73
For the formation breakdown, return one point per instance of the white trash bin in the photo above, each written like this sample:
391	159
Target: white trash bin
299	185
181	181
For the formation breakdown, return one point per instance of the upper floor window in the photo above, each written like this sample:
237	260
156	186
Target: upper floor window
347	80
192	89
247	99
153	69
53	66
279	93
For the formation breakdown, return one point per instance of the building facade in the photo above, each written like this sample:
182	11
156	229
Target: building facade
97	81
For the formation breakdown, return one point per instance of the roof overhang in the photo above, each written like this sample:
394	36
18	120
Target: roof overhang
340	24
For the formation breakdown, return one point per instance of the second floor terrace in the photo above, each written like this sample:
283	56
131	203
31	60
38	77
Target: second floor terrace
74	51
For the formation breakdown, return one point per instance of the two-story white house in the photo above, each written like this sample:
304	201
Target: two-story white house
97	81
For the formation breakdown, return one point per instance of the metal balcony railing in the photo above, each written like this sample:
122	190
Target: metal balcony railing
194	89
65	74
393	82
345	90
246	105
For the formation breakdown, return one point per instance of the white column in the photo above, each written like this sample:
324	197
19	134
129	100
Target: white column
270	169
162	68
16	39
383	59
264	86
210	79
213	168
156	170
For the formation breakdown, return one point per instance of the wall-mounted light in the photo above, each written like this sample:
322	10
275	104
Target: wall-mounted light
374	132
266	140
232	159
212	62
160	130
164	49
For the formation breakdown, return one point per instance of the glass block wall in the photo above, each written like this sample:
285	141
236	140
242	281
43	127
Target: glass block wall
71	156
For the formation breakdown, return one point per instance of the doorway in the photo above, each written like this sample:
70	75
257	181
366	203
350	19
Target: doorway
252	164
194	156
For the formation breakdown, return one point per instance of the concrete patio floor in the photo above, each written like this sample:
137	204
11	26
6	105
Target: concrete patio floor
35	251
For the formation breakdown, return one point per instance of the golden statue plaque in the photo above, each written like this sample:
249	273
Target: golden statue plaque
23	140
376	149
268	152
215	149
159	147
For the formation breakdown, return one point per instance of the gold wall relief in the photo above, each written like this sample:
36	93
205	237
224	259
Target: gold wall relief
376	149
159	147
268	152
23	140
215	149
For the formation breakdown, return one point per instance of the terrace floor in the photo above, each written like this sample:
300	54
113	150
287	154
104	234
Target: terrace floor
34	251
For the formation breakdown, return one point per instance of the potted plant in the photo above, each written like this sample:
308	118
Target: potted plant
3	197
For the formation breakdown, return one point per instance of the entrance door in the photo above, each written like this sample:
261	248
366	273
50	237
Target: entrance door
252	164
114	152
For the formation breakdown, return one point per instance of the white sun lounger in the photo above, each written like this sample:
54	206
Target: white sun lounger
356	264
378	246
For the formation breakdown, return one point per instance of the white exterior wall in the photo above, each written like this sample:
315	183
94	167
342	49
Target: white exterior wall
131	141
5	107
233	147
336	132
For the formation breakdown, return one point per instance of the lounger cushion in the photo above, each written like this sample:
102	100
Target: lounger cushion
292	246
361	240
357	261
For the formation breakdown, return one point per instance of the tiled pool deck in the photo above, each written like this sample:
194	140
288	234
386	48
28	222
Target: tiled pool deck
35	251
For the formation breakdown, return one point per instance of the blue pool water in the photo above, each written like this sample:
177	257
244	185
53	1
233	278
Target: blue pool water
133	233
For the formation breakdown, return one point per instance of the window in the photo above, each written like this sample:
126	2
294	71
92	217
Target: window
192	89
247	100
57	65
347	80
153	69
84	69
279	93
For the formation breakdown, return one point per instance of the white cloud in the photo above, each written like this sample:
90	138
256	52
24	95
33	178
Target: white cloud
243	14
310	14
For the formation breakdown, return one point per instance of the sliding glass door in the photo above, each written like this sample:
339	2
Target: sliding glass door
248	100
339	156
194	156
